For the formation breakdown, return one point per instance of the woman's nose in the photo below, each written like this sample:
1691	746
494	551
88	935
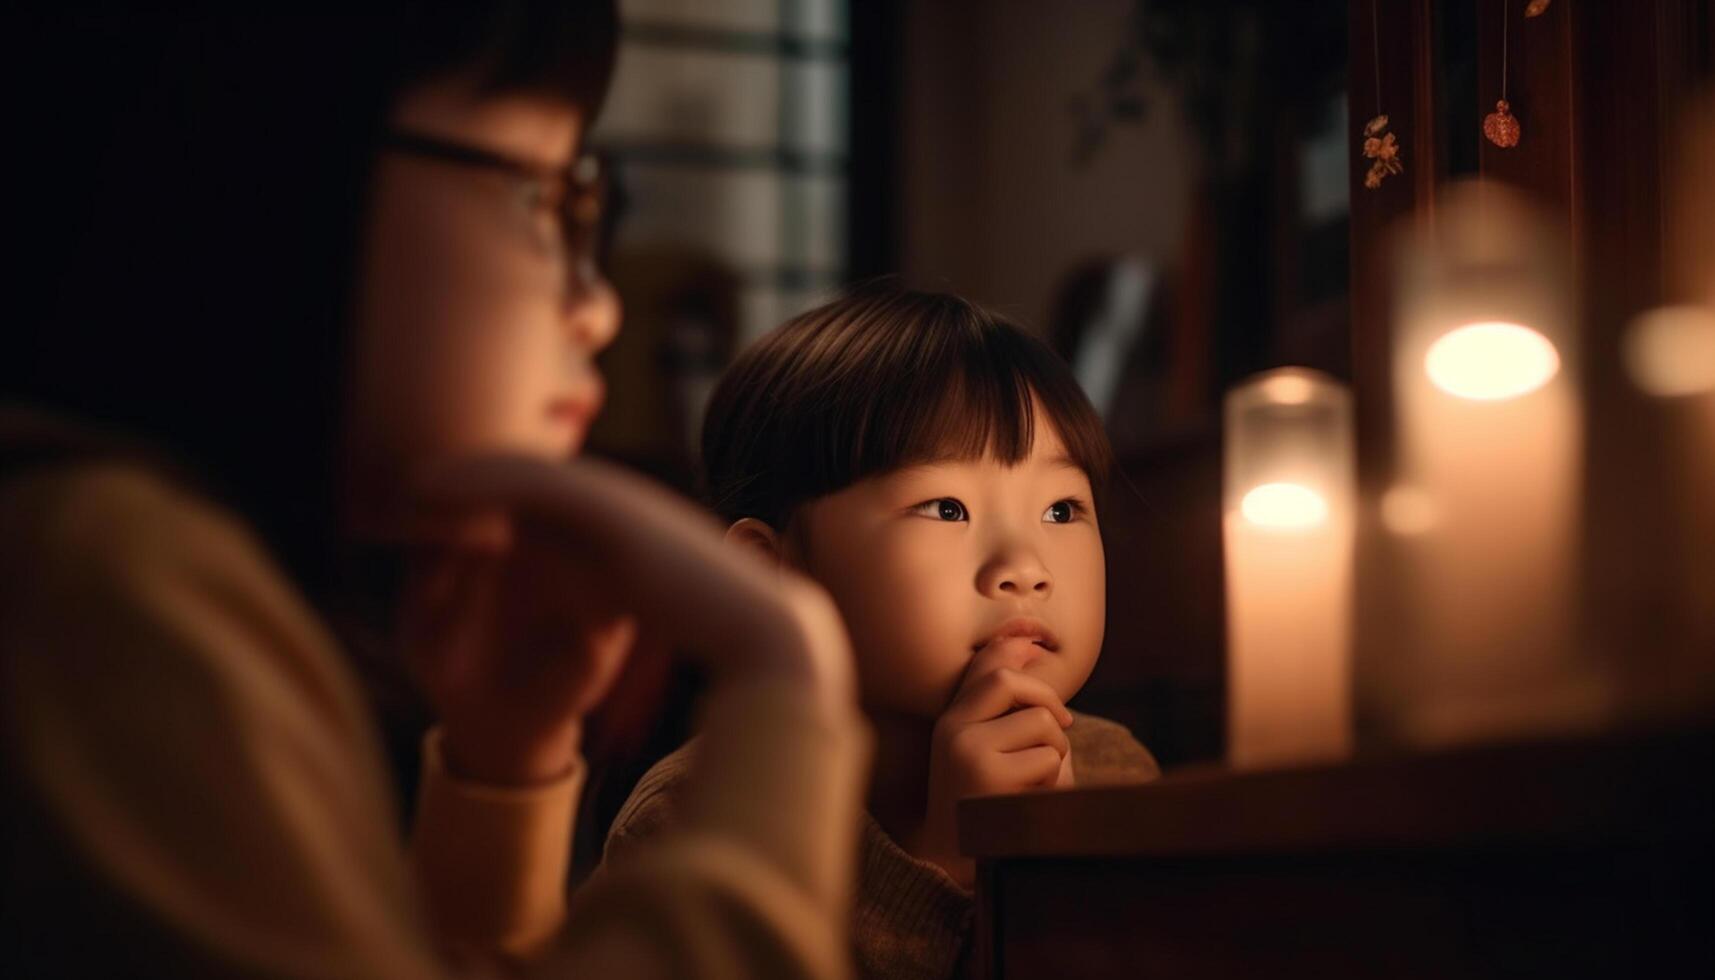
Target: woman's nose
592	320
1015	573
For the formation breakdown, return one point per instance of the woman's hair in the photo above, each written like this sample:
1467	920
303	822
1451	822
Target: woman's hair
186	190
881	379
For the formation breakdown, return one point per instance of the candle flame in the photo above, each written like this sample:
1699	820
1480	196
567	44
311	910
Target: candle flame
1491	361
1284	506
1288	389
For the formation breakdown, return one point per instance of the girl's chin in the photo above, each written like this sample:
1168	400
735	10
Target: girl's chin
923	704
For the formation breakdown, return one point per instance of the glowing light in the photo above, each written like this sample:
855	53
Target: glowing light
1284	506
1408	511
1288	389
1670	351
1491	361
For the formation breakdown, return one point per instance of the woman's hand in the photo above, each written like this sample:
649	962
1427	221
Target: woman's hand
519	630
513	654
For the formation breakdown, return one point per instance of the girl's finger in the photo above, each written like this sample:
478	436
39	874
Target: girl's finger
1038	766
1023	729
1014	655
1001	691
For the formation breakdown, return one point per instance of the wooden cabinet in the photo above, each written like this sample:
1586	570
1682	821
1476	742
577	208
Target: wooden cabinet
1562	859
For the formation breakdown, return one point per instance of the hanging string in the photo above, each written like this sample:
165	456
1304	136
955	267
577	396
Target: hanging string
1379	146
1504	26
1376	43
1501	126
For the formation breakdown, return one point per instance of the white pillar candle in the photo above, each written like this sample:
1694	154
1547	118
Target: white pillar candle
1670	356
1488	452
1288	538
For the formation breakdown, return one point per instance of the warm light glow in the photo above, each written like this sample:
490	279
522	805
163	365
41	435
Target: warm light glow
1491	361
1671	351
1288	389
1408	511
1285	506
1287	486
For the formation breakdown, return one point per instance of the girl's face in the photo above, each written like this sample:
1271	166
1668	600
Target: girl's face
466	342
930	563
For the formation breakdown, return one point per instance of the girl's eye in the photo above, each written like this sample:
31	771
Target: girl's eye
1061	512
942	509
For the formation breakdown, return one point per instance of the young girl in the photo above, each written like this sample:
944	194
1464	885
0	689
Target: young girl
938	471
290	287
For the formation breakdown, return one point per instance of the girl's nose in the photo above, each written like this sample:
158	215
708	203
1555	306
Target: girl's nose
1016	573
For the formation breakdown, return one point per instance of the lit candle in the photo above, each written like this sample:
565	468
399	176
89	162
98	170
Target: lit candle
1485	509
1669	354
1288	538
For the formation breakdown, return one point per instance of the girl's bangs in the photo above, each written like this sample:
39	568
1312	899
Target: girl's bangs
984	404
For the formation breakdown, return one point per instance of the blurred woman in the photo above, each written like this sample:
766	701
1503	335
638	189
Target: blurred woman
299	339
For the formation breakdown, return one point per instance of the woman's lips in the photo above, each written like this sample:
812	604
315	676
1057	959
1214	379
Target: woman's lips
579	407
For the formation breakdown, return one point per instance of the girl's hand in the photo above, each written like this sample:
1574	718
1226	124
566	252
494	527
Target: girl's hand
523	628
1004	732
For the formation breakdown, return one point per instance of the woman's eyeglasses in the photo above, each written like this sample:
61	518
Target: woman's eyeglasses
575	194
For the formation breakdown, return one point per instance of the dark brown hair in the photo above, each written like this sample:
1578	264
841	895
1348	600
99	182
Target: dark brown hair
879	379
186	209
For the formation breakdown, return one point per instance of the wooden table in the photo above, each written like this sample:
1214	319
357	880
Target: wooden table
1573	858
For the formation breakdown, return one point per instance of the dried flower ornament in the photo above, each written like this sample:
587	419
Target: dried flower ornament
1382	150
1379	146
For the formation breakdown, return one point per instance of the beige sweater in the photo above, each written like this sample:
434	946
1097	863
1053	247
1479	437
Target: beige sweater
193	786
910	920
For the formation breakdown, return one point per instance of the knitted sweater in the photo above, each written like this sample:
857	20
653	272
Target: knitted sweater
910	920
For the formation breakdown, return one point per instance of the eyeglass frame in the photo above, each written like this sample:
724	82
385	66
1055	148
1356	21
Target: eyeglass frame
582	188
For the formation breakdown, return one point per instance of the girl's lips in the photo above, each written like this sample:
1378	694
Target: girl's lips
1022	628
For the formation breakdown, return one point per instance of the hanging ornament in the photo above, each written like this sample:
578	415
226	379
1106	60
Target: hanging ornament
1501	126
1382	150
1536	8
1379	146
